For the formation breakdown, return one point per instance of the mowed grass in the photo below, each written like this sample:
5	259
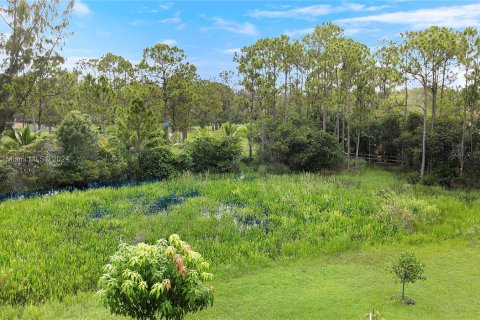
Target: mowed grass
324	286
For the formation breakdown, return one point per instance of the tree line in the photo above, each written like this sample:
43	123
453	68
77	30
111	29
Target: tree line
303	104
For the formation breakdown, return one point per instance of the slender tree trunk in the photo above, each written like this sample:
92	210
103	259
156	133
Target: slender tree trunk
472	125
184	134
337	126
165	106
462	145
434	107
405	119
442	88
324	118
40	111
357	148
424	135
285	104
369	146
348	145
274	93
403	290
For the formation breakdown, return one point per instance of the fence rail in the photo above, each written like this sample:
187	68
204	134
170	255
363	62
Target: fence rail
372	158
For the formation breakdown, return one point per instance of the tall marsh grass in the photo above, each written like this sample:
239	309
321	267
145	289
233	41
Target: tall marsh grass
56	245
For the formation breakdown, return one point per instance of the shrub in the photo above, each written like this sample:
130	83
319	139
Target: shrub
164	280
407	269
408	214
216	155
472	167
157	162
184	161
7	176
78	138
303	147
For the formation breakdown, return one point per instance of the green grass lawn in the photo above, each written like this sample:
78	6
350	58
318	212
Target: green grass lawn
334	286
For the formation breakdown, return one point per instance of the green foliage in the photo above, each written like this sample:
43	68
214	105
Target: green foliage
7	176
407	214
157	162
231	220
232	131
302	147
135	125
78	138
407	269
215	155
162	281
21	138
442	151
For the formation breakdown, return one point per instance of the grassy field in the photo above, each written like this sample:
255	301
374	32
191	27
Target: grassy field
293	245
336	286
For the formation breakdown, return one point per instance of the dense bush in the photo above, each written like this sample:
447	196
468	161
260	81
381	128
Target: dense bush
157	162
215	155
442	150
472	167
78	138
162	281
302	147
7	177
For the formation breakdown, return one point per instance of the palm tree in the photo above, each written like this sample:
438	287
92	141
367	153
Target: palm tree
232	131
20	138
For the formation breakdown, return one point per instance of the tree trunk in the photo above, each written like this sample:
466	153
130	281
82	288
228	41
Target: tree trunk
343	130
403	290
462	145
324	118
471	127
405	119
434	107
424	135
285	104
348	145
184	134
369	146
165	106
337	126
40	111
357	148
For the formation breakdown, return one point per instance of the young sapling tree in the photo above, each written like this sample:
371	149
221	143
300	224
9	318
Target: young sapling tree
407	269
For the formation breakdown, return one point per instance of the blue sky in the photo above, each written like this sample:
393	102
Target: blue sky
211	31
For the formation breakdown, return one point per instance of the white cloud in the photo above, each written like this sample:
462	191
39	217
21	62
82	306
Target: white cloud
245	28
312	11
81	8
452	16
231	50
172	20
166	5
170	42
175	20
